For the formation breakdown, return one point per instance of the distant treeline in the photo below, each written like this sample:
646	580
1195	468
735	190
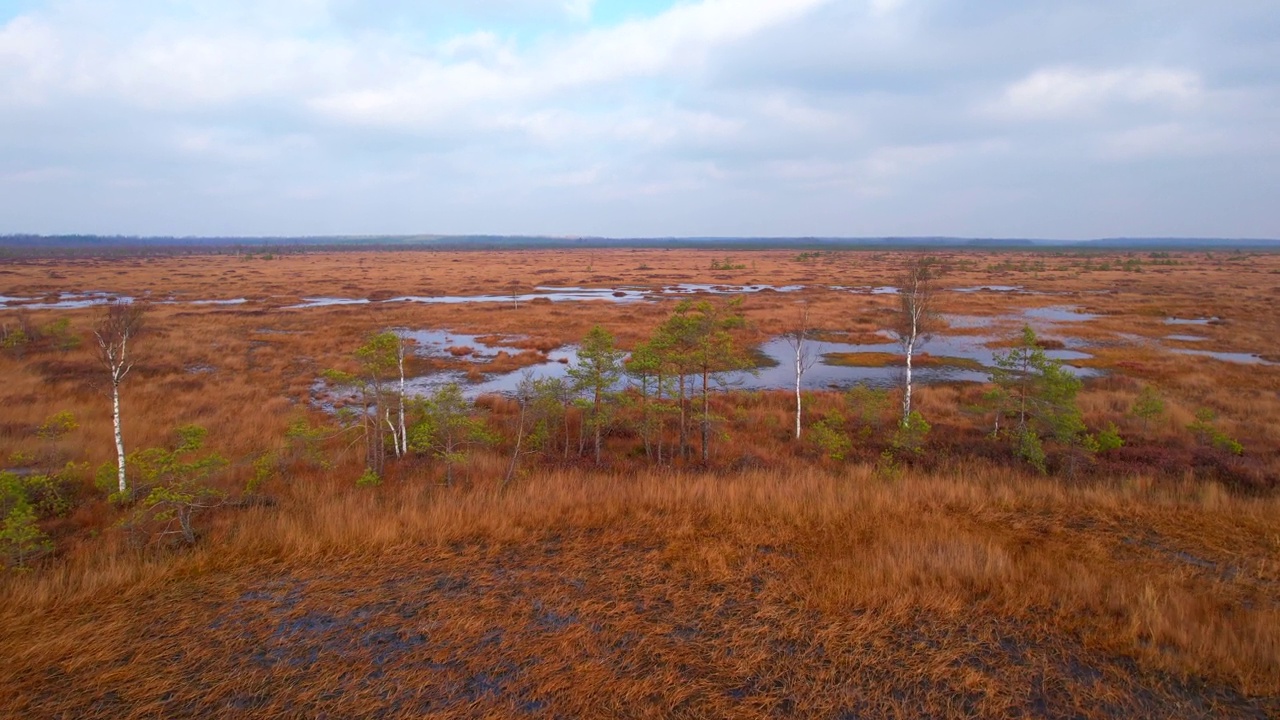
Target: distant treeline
25	244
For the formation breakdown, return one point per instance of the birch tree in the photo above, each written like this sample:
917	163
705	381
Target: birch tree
402	437
114	332
380	356
916	319
797	338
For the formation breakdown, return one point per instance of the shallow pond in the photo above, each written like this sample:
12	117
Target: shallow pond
1191	321
63	301
1039	318
561	294
438	342
1058	314
990	288
779	375
867	289
326	302
692	288
231	301
551	294
1233	357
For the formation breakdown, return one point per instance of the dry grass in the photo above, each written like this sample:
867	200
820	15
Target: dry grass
969	591
771	584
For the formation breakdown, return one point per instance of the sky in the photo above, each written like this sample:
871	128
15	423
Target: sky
1000	118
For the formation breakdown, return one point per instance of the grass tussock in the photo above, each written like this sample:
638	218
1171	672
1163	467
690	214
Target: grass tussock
572	588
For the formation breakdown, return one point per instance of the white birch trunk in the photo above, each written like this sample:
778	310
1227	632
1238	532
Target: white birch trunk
799	374
915	311
402	440
804	360
115	419
906	395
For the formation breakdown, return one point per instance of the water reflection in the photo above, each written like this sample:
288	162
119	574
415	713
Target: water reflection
1233	357
990	288
1191	321
623	294
326	302
868	289
1058	314
778	371
63	302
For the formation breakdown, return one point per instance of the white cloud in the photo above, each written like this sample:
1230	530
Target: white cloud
30	57
675	41
880	8
1073	93
579	9
713	116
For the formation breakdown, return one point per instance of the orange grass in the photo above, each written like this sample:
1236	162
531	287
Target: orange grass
942	594
771	583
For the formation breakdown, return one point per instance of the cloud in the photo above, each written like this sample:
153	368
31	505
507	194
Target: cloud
678	40
1066	92
579	9
657	117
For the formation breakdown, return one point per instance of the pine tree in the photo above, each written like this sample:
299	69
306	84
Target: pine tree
21	539
1148	406
1039	394
596	373
698	341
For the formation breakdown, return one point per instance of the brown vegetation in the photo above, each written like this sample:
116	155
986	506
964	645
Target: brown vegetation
770	581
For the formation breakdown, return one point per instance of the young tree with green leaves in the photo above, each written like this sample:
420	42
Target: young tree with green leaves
363	419
381	359
447	426
672	342
644	367
698	342
1039	394
549	422
1148	406
830	436
21	539
596	373
176	482
1208	433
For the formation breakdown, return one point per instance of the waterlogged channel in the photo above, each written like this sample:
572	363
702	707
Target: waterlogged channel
560	294
838	365
76	301
62	301
822	375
